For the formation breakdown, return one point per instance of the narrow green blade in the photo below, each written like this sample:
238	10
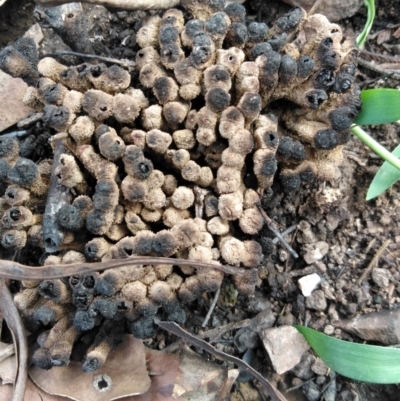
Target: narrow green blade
369	363
385	177
380	106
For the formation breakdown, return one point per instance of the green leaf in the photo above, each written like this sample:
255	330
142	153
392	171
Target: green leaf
369	363
379	106
385	177
362	37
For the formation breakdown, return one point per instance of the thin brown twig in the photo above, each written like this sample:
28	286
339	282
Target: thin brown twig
373	262
120	4
375	68
128	64
270	225
17	271
14	322
7	352
197	342
212	307
213	334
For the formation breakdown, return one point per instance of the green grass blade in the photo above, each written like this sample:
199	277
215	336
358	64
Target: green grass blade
369	363
380	106
362	37
386	176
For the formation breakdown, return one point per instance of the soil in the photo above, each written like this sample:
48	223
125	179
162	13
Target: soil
336	212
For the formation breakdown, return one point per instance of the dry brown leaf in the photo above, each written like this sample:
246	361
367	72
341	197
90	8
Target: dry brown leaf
163	368
124	374
8	367
383	36
200	380
12	91
32	393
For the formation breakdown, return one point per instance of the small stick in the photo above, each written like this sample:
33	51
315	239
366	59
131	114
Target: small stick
57	197
14	322
286	232
18	134
212	307
122	4
7	352
17	271
381	71
270	225
213	334
373	262
128	64
192	340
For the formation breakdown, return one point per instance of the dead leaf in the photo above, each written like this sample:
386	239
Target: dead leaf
163	368
200	380
124	374
8	367
383	36
32	393
12	91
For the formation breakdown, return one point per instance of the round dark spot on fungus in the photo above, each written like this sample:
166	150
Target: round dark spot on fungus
285	147
315	98
278	41
23	173
298	152
236	12
305	65
83	320
269	166
168	34
342	118
217	99
324	79
164	244
69	217
142	328
8	147
326	139
259	49
290	20
287	69
271	139
257	31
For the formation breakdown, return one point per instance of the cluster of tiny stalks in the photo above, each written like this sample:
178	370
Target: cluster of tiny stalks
171	163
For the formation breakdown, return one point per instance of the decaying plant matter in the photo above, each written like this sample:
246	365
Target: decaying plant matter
170	161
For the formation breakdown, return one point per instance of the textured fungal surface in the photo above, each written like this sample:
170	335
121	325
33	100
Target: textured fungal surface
174	159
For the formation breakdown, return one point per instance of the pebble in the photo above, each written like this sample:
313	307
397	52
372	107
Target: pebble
319	367
381	277
315	251
309	283
303	368
311	391
316	301
329	330
285	347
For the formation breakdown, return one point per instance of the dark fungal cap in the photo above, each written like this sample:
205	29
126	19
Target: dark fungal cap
257	31
305	66
324	79
69	217
217	99
236	12
326	139
23	173
290	20
315	98
260	49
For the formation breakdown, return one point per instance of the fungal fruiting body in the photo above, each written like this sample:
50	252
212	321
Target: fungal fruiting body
155	165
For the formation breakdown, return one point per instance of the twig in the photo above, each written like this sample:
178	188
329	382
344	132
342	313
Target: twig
285	232
373	262
314	8
7	352
14	322
128	64
122	4
17	134
212	307
16	271
213	334
192	340
57	196
299	385
270	225
375	68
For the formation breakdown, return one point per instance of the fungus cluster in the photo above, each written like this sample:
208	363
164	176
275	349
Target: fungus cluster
170	160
